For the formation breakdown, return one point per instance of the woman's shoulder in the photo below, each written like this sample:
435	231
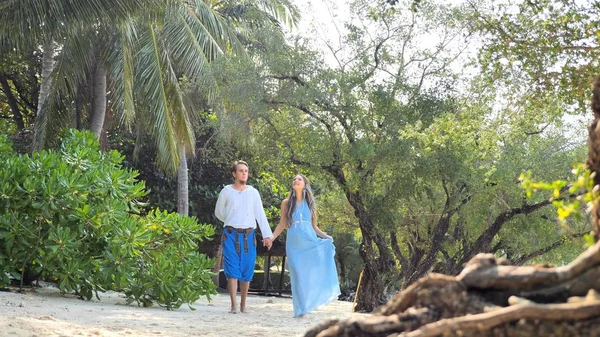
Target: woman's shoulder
285	201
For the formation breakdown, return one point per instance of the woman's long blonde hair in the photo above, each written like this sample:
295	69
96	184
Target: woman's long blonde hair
308	196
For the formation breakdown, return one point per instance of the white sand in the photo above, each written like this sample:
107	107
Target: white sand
45	312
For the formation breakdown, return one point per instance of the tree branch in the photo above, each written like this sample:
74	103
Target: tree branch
487	236
307	111
483	272
295	78
396	249
21	92
440	230
548	248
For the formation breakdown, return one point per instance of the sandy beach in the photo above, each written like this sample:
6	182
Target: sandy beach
46	312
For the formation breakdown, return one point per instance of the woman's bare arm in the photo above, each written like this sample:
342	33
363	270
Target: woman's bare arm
319	232
282	220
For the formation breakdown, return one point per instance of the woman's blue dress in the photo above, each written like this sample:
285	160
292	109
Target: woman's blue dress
311	264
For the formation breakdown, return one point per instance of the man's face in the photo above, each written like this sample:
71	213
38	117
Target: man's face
241	173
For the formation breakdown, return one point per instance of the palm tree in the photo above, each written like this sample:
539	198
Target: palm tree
46	22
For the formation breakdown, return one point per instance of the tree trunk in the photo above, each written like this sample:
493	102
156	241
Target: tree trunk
12	102
47	67
44	92
98	100
104	142
593	162
377	262
372	288
182	184
139	140
430	258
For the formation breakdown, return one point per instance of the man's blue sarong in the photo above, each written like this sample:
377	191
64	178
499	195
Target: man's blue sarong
239	253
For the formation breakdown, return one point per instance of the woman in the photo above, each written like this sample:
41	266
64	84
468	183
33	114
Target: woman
310	251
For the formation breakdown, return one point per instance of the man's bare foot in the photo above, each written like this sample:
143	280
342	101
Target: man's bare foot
244	311
233	311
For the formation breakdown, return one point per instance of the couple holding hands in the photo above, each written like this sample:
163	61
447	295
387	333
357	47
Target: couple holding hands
309	250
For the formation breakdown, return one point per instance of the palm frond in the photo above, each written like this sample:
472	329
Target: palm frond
30	20
184	132
122	72
156	91
246	16
56	114
216	27
191	46
284	11
181	117
75	59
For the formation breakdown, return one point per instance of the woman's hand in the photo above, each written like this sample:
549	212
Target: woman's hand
326	236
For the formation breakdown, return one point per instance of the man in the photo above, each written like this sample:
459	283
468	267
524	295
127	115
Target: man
239	207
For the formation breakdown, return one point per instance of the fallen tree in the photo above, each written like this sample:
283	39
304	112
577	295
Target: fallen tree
491	297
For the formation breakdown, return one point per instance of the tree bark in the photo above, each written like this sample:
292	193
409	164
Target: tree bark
104	141
182	184
47	68
98	100
593	162
377	263
439	232
43	94
12	102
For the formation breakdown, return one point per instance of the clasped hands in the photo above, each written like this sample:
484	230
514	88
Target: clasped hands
267	242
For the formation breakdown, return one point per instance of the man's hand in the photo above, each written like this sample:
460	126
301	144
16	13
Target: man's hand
267	242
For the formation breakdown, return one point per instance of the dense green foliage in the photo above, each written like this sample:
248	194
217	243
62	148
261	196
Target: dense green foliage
542	52
73	216
391	144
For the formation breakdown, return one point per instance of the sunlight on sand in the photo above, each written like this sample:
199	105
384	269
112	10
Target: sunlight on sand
48	313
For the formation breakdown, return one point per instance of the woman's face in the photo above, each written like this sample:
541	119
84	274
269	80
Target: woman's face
298	183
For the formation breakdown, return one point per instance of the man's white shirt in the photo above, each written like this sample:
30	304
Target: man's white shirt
242	209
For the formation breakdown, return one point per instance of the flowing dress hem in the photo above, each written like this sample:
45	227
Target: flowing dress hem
331	298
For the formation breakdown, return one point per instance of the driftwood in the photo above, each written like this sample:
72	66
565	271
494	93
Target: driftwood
489	298
492	298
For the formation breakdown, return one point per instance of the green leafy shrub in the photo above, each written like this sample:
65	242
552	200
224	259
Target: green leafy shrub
168	269
72	216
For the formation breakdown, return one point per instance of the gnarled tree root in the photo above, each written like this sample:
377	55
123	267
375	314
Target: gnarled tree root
489	298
